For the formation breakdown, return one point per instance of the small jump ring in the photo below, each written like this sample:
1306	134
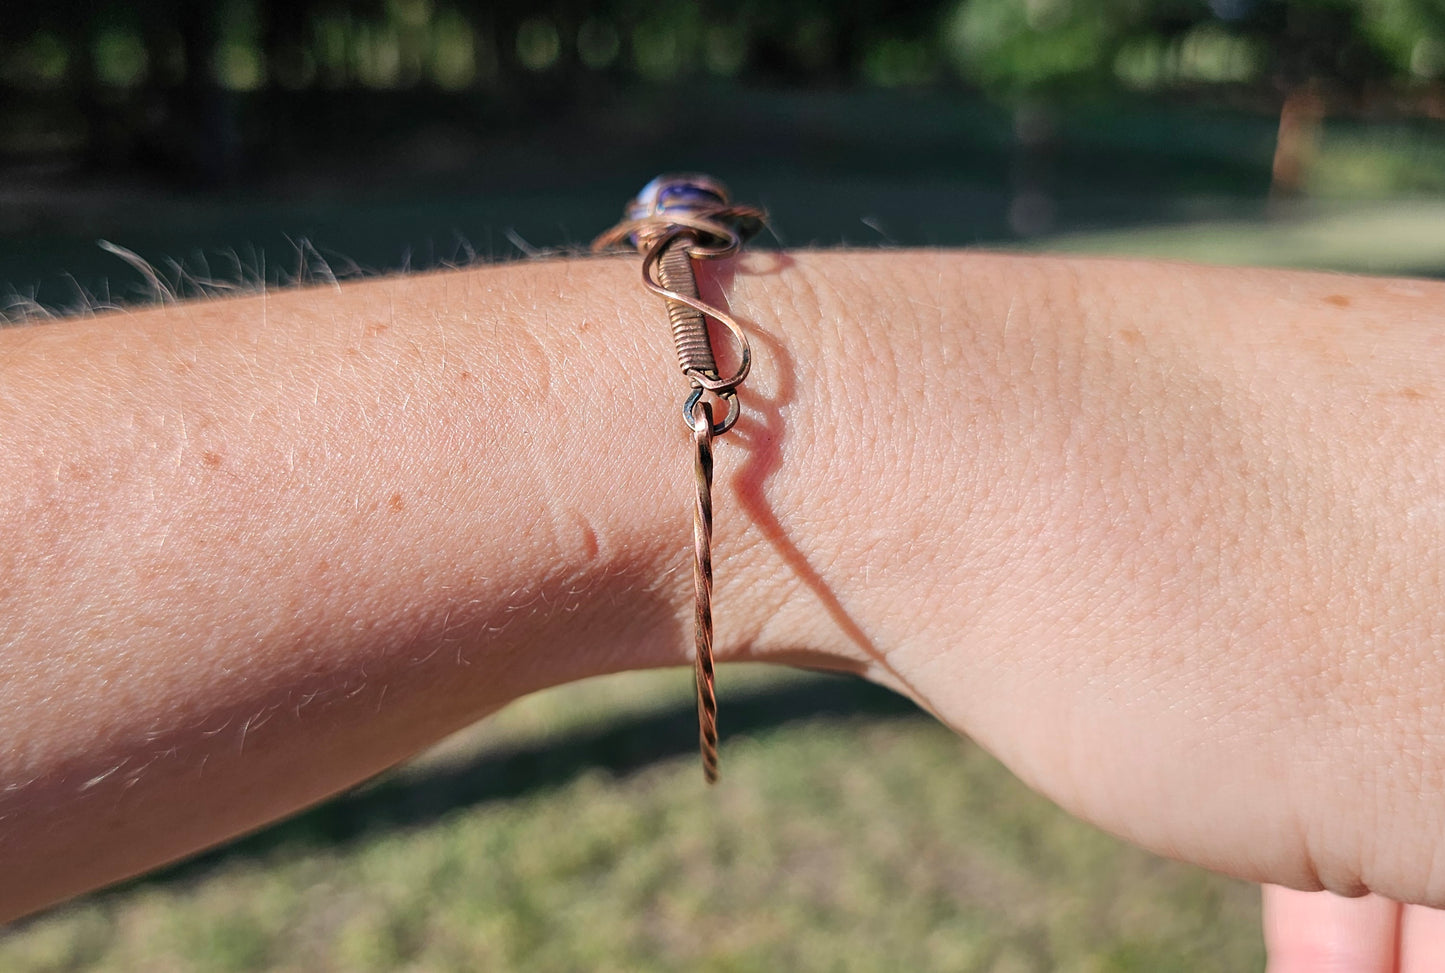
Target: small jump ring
689	413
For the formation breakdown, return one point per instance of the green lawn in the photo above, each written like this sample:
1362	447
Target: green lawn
1373	237
573	832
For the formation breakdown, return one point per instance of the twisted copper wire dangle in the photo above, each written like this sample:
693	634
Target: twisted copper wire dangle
702	588
672	222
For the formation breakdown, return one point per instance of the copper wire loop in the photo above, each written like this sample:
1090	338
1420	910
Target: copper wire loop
701	232
690	331
674	221
730	396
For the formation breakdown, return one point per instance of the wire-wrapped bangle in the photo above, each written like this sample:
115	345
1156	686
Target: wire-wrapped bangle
672	222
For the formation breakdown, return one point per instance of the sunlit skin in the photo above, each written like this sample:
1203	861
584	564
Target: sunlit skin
1166	539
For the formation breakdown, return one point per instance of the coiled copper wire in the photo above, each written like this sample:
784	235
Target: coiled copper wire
689	327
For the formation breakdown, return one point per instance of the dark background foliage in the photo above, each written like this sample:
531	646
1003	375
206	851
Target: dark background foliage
249	138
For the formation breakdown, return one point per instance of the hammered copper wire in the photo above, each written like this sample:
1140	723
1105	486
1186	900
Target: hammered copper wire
669	243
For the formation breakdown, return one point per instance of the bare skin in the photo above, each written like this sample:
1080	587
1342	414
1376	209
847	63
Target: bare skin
1166	539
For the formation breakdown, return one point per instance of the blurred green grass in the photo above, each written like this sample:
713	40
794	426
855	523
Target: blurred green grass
851	832
1373	237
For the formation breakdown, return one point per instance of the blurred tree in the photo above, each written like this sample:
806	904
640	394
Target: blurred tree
1008	47
167	81
1310	56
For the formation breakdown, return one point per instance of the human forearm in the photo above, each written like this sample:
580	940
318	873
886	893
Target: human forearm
259	549
1102	515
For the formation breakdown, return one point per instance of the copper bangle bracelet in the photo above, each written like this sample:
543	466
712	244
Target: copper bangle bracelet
672	222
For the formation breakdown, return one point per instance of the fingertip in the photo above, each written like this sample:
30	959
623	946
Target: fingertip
1422	939
1321	932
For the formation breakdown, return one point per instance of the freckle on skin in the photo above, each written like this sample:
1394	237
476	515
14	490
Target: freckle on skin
1414	395
211	459
1338	300
372	330
1131	336
395	502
